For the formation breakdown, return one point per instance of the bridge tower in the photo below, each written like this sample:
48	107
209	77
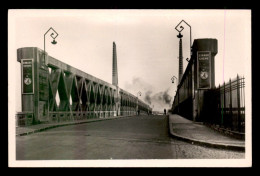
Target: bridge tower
180	57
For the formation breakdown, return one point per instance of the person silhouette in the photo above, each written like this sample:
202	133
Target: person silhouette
164	111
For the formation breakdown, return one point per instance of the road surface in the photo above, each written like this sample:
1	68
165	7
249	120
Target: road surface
137	137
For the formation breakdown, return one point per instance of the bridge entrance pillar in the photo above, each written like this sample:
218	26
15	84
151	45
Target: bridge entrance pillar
34	84
203	70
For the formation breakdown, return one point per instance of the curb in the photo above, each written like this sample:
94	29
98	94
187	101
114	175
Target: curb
209	144
204	143
234	134
60	125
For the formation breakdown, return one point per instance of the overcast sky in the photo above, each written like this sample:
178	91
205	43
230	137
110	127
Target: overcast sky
147	44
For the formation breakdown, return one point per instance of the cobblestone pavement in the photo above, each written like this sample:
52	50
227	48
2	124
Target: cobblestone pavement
137	137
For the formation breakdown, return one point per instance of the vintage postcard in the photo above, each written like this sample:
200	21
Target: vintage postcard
129	88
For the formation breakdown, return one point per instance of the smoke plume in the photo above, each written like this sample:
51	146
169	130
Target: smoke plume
157	100
162	97
166	97
147	97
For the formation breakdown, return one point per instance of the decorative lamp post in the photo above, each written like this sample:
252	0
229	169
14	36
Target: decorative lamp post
54	35
179	28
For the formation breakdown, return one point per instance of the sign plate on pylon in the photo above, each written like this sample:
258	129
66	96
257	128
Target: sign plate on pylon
27	76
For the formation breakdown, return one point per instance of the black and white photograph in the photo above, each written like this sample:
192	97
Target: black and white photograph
129	88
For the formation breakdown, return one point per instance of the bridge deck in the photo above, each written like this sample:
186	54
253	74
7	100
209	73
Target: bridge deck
136	137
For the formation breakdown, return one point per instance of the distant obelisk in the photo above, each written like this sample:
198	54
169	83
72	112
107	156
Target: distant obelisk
180	57
114	69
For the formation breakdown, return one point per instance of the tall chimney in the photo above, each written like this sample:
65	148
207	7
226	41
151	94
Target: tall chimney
180	57
114	69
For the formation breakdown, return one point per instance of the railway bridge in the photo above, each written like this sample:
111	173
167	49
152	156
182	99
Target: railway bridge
80	95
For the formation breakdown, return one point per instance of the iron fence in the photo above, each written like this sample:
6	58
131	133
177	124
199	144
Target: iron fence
225	106
79	115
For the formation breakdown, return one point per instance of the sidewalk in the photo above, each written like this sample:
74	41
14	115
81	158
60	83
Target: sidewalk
196	133
21	131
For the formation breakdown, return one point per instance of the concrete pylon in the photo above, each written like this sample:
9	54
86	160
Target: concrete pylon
114	69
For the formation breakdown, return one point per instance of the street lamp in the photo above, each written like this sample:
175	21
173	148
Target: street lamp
174	77
54	34
180	29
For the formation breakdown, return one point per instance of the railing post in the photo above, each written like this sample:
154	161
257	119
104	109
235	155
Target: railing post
230	110
238	104
178	100
58	116
220	104
224	104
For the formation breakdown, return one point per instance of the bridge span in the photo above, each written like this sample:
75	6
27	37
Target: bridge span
80	94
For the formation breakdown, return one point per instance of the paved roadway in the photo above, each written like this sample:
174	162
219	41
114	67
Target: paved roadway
138	137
